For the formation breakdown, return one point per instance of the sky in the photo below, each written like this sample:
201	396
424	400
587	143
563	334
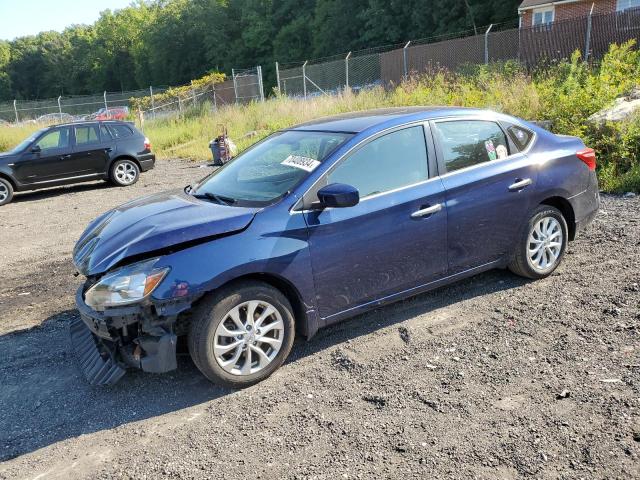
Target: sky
28	17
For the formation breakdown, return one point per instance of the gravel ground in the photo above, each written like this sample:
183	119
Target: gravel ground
494	377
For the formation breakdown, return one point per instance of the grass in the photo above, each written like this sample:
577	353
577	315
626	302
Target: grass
566	93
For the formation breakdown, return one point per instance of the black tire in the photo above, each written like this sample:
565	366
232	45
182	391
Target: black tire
124	173
213	310
521	263
6	191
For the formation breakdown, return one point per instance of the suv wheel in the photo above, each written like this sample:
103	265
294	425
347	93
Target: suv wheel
124	173
542	244
242	334
6	191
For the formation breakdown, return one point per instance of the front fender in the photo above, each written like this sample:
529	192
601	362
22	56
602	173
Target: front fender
276	244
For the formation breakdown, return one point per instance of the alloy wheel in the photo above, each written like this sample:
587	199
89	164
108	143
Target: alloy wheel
248	338
544	244
126	172
4	192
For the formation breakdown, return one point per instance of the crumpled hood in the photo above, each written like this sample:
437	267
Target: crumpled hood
153	223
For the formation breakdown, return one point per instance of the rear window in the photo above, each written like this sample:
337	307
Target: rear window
520	136
120	131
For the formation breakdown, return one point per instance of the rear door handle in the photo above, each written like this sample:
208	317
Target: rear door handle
520	184
425	212
64	157
108	150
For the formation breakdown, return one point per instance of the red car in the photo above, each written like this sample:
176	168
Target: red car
113	113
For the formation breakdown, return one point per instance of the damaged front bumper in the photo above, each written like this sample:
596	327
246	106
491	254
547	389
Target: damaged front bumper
137	336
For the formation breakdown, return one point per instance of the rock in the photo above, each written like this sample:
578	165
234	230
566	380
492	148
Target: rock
636	436
629	195
621	109
563	394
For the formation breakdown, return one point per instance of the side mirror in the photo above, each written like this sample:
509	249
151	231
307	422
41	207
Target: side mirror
338	195
36	149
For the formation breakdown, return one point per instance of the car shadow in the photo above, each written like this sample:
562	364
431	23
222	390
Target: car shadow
61	190
45	399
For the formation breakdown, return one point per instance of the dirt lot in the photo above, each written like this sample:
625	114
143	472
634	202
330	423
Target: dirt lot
493	377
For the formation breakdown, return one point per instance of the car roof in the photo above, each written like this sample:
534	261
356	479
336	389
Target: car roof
87	122
356	122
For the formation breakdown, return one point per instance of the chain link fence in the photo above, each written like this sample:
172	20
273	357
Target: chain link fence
531	46
244	86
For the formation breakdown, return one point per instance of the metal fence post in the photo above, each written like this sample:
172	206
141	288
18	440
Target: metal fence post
278	76
215	100
587	46
180	105
260	85
193	94
486	45
235	86
60	107
405	60
346	70
304	78
153	104
15	109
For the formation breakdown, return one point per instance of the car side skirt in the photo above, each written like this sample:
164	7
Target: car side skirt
351	312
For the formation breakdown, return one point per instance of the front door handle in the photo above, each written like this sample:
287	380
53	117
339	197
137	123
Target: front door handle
108	150
520	184
65	157
425	212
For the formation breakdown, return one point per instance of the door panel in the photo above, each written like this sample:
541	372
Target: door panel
90	153
377	248
485	215
389	242
51	163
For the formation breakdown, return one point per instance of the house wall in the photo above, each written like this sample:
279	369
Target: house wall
567	11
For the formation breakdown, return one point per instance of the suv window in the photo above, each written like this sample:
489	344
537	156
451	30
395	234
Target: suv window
87	134
469	142
120	131
395	160
58	138
104	133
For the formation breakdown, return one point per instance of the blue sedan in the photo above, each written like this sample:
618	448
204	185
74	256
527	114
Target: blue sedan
316	224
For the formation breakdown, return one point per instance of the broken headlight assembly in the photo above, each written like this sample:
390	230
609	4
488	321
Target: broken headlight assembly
125	286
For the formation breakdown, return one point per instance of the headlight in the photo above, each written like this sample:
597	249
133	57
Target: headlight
126	285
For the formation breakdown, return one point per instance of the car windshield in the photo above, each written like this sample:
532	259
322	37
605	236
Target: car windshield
25	143
270	169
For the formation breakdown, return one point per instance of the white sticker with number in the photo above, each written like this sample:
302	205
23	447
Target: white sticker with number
303	163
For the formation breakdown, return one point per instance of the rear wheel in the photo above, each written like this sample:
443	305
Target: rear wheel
542	244
6	191
242	334
124	172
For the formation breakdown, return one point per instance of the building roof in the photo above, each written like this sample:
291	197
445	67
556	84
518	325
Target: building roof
356	122
527	4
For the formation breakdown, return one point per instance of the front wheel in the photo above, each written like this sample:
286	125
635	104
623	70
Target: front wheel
124	172
542	244
6	191
242	334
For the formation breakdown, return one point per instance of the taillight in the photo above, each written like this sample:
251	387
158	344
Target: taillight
147	144
588	156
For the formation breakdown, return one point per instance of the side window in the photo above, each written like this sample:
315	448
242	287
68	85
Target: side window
520	136
469	142
392	161
87	135
120	131
105	135
58	138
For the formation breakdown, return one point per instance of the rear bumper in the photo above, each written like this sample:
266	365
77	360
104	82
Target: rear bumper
147	161
106	344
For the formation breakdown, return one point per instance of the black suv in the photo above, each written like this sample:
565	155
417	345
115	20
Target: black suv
73	153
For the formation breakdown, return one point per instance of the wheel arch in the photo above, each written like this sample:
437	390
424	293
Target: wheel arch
566	209
302	320
125	157
10	180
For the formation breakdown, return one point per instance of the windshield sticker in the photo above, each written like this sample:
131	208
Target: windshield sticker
491	149
502	152
304	163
